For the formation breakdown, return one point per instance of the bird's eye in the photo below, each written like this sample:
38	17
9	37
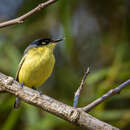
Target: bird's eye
43	43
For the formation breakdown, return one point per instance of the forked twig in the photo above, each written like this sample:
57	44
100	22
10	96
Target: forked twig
46	103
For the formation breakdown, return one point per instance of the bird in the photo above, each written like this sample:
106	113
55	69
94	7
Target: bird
36	64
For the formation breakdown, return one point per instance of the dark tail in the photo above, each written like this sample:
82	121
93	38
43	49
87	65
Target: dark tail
17	103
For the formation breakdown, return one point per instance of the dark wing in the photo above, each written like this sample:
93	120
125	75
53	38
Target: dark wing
19	67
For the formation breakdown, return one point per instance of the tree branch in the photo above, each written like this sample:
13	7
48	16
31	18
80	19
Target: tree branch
77	93
21	19
106	96
75	116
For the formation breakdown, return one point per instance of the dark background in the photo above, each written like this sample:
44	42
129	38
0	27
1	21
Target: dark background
96	34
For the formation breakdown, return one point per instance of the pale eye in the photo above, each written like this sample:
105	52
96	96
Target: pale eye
43	43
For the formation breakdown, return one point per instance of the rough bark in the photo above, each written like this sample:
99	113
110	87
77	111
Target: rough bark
75	116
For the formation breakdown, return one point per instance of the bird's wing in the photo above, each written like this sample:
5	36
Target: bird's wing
23	59
19	67
29	47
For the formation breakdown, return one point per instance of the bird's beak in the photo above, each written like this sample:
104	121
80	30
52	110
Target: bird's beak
58	40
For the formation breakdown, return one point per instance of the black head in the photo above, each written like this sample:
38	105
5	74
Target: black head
43	41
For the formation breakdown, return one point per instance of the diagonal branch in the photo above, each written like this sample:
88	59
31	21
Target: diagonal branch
106	96
77	93
21	19
75	116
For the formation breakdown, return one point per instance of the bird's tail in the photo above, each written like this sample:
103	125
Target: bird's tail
17	103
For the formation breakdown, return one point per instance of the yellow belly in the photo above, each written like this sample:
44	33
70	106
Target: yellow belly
36	68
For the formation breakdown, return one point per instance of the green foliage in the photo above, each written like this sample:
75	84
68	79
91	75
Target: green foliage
96	36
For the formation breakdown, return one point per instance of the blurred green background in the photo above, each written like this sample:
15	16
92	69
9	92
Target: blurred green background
96	35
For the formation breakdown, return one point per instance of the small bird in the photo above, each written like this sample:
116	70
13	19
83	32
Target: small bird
37	64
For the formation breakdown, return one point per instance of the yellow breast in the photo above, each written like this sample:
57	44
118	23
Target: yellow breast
37	67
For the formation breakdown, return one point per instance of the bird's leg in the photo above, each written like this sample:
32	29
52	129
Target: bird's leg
21	85
40	93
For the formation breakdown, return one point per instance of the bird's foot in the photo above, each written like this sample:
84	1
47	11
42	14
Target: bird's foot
21	85
37	90
34	88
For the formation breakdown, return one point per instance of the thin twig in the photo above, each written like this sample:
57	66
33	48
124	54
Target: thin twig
106	96
21	19
46	103
77	93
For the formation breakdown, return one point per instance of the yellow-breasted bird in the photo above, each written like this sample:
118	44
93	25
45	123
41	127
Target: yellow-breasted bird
37	64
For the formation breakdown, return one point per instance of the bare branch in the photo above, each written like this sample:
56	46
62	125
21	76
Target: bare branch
75	116
106	96
21	19
77	93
